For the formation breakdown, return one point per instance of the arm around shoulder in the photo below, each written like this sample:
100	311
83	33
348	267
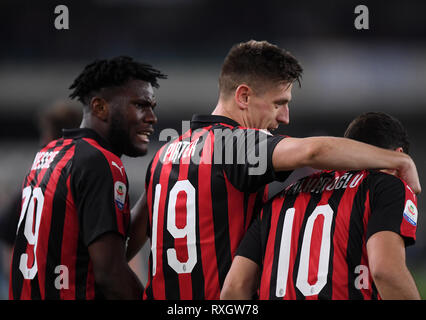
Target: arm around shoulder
342	154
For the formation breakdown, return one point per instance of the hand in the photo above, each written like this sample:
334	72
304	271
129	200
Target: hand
409	174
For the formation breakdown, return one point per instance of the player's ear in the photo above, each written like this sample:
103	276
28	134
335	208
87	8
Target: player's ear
99	108
399	149
242	96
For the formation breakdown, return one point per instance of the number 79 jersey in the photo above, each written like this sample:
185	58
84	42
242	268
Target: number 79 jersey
201	204
75	191
311	239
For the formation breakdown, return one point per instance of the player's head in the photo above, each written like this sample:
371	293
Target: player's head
379	129
259	77
60	115
119	100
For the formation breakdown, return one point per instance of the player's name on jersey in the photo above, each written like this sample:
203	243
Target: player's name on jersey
180	150
225	146
43	160
317	184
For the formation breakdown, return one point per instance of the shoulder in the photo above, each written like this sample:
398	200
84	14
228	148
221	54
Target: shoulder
383	180
230	134
91	158
90	150
388	188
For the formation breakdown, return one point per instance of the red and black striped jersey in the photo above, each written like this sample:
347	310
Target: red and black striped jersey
202	189
310	240
75	191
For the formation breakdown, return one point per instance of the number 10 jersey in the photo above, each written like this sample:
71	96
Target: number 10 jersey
310	240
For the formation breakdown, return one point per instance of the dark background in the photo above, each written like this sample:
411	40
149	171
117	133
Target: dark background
347	71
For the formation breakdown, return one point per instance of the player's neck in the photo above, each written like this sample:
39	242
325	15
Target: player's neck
97	126
225	109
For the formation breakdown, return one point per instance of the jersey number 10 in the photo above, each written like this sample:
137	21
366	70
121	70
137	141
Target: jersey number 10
302	282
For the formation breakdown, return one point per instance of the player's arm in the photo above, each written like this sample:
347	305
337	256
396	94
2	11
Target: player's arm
139	214
342	154
386	256
391	227
112	273
103	217
241	281
138	227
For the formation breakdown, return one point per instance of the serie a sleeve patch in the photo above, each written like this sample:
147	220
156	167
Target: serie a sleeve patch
120	191
410	212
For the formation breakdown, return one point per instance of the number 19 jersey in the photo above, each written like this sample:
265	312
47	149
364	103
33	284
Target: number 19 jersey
202	189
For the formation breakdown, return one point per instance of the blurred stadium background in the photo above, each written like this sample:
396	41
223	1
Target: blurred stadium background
347	71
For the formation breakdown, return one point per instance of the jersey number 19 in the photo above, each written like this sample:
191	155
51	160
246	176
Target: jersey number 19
188	231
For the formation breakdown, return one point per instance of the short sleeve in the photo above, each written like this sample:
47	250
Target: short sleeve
250	247
249	166
393	208
101	193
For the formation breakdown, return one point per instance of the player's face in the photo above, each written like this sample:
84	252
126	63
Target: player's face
270	108
132	118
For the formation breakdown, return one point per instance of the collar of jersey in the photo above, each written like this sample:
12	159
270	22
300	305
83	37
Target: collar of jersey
200	121
80	133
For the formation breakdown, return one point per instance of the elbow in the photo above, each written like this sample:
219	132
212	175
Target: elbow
236	290
231	291
378	276
102	278
384	274
105	275
378	270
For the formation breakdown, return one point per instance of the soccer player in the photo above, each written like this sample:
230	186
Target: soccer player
334	234
203	187
51	122
74	221
61	114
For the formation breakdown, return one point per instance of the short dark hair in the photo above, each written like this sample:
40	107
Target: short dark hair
111	73
379	129
60	115
257	63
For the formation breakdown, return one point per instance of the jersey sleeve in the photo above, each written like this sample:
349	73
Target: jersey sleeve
101	193
250	247
249	166
148	174
393	208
